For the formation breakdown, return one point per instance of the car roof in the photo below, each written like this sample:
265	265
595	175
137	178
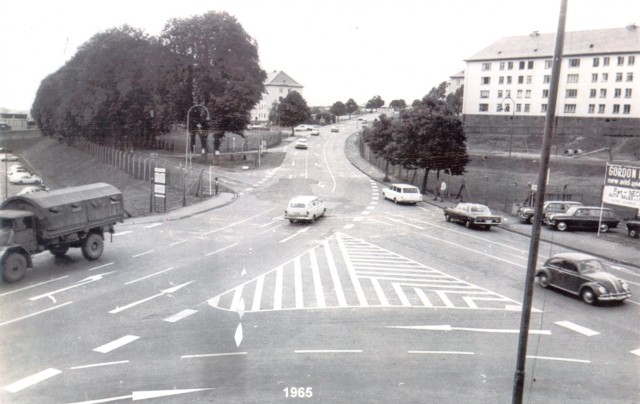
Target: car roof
303	198
567	202
574	256
404	186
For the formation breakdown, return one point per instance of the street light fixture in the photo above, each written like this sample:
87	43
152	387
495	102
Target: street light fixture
513	113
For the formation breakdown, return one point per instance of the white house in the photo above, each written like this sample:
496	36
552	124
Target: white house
277	86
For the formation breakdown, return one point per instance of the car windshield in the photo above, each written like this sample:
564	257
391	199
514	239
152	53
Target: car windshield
297	205
591	266
479	209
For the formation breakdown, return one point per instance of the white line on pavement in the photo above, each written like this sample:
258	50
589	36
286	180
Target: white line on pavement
550	358
284	240
31	380
35	314
141	254
577	328
328	351
179	316
95	365
442	352
148	276
33	286
116	344
212	355
221	249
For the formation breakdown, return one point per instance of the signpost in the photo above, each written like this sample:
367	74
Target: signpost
622	186
159	183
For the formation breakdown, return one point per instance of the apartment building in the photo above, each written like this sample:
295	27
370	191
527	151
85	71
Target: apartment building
277	86
599	89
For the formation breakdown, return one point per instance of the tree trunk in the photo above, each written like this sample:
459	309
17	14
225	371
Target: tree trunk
424	180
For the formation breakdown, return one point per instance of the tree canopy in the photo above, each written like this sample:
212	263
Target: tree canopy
338	108
293	110
375	102
398	104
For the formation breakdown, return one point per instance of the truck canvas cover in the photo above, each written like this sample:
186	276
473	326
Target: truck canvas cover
71	209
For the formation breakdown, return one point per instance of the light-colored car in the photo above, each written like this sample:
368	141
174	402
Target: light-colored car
301	143
8	157
402	193
315	132
334	129
24	178
526	213
305	208
16	169
31	189
302	128
472	215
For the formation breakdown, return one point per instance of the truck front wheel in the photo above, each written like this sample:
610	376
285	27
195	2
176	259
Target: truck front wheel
92	247
14	267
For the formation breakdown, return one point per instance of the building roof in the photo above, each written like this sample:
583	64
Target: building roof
460	74
281	79
536	45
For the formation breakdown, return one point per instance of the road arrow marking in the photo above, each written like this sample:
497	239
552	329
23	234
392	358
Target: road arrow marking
82	282
144	395
577	328
163	292
450	328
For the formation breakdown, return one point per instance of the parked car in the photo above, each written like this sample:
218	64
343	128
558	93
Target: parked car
472	214
633	228
305	208
315	132
583	218
8	157
24	178
301	143
31	189
334	129
302	128
16	169
402	193
582	275
4	126
525	213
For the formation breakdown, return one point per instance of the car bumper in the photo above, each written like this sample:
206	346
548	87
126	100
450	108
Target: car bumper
609	297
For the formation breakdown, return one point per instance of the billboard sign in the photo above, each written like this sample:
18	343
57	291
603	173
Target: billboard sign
622	186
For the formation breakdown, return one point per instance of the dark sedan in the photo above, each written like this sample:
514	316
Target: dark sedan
471	215
633	228
584	276
583	218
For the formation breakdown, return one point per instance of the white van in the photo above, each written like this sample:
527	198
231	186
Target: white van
402	193
304	207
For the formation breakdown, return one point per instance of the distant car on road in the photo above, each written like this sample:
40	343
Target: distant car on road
17	169
315	132
471	215
633	228
302	128
301	143
583	218
4	126
31	189
24	178
334	129
525	213
582	275
8	157
402	193
305	208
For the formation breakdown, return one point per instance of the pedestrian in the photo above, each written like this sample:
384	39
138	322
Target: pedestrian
443	190
215	186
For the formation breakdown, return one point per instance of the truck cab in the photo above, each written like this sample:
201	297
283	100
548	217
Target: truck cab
17	229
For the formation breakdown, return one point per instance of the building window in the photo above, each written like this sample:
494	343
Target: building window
569	108
592	108
484	94
627	109
618	76
548	63
594	77
575	62
603	93
546	79
508	79
530	64
519	94
605	61
485	80
507	93
596	62
520	79
592	93
500	94
522	65
631	60
528	79
616	109
572	78
501	80
527	94
501	65
509	65
620	60
630	76
484	107
617	93
601	108
545	93
507	107
571	93
527	108
518	107
486	66
543	108
499	108
627	93
605	77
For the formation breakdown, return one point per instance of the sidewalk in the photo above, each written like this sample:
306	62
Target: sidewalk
615	246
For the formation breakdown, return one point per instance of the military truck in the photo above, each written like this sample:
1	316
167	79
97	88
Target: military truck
56	221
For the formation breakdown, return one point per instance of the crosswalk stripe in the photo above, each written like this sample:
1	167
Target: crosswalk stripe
381	297
403	298
277	296
258	293
337	286
317	282
423	297
362	300
298	283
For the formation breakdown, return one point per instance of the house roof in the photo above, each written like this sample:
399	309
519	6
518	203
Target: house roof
536	45
281	79
460	74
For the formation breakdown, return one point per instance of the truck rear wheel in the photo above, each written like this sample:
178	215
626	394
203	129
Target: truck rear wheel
92	247
14	267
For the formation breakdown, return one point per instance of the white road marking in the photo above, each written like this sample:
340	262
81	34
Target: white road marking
153	225
148	276
141	254
34	314
120	342
163	292
177	242
95	365
100	266
221	249
352	274
122	233
297	277
238	222
258	293
284	240
180	315
326	164
317	282
212	355
442	352
328	351
271	229
636	352
348	226
277	295
82	282
551	358
333	270
33	286
577	328
450	328
144	395
31	380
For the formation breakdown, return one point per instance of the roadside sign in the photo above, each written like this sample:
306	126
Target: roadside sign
622	186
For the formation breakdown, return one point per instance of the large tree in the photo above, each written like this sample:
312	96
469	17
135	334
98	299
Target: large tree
221	69
398	104
338	109
375	103
293	110
351	107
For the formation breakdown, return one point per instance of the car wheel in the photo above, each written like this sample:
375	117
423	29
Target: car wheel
313	219
487	227
291	220
324	211
14	267
633	233
92	247
562	226
395	201
447	218
588	296
467	224
604	228
543	280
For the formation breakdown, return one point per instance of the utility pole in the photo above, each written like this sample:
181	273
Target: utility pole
518	382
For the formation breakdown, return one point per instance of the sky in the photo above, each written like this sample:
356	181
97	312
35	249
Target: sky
336	49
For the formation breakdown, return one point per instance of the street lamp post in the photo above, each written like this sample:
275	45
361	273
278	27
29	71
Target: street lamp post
186	154
513	113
